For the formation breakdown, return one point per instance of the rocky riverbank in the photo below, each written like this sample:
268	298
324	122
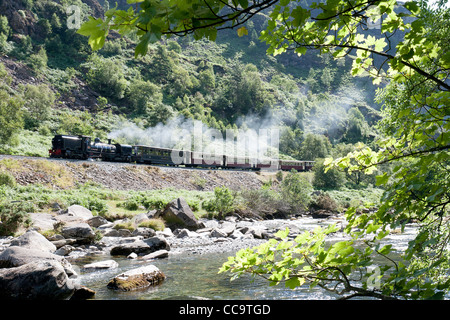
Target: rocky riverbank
36	267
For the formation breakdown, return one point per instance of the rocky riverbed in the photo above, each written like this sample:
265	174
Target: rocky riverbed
34	267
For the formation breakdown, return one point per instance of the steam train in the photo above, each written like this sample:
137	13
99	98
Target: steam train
83	148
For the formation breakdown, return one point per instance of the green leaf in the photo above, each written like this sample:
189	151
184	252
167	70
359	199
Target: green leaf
96	30
242	31
243	3
142	47
382	180
294	282
282	234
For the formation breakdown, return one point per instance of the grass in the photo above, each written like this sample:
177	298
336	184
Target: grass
29	143
117	211
101	201
156	224
358	198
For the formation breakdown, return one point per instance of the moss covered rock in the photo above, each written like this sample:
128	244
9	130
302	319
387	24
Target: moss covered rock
139	278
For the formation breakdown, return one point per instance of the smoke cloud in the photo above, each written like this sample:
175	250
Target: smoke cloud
256	138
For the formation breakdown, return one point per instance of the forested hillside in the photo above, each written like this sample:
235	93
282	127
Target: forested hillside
369	105
52	82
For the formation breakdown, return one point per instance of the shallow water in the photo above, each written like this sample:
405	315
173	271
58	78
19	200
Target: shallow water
191	277
196	276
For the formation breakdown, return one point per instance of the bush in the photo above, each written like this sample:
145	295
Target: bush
7	179
296	191
223	202
323	201
262	202
155	224
106	76
14	215
332	179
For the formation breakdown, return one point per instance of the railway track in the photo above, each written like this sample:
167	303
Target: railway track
121	164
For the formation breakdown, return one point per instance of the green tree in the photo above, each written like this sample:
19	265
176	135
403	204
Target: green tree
223	202
327	179
11	116
38	61
296	191
327	78
207	80
143	95
38	103
290	141
5	31
159	113
357	128
4	26
106	76
314	146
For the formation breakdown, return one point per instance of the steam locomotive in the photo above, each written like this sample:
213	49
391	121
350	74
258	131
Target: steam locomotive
83	148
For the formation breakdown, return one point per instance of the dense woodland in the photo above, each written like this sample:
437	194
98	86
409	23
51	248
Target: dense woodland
232	83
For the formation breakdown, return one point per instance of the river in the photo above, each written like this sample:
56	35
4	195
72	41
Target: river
193	276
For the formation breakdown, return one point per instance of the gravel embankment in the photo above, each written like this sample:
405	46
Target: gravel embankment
123	176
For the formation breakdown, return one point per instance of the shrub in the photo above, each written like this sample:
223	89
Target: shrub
155	224
296	191
131	204
14	215
7	179
332	179
124	225
324	201
261	202
223	202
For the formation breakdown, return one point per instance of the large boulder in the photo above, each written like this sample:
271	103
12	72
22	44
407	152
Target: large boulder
106	264
139	218
79	212
97	221
43	221
14	256
144	232
138	278
156	255
33	240
177	213
140	247
82	232
218	233
124	249
227	227
36	280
